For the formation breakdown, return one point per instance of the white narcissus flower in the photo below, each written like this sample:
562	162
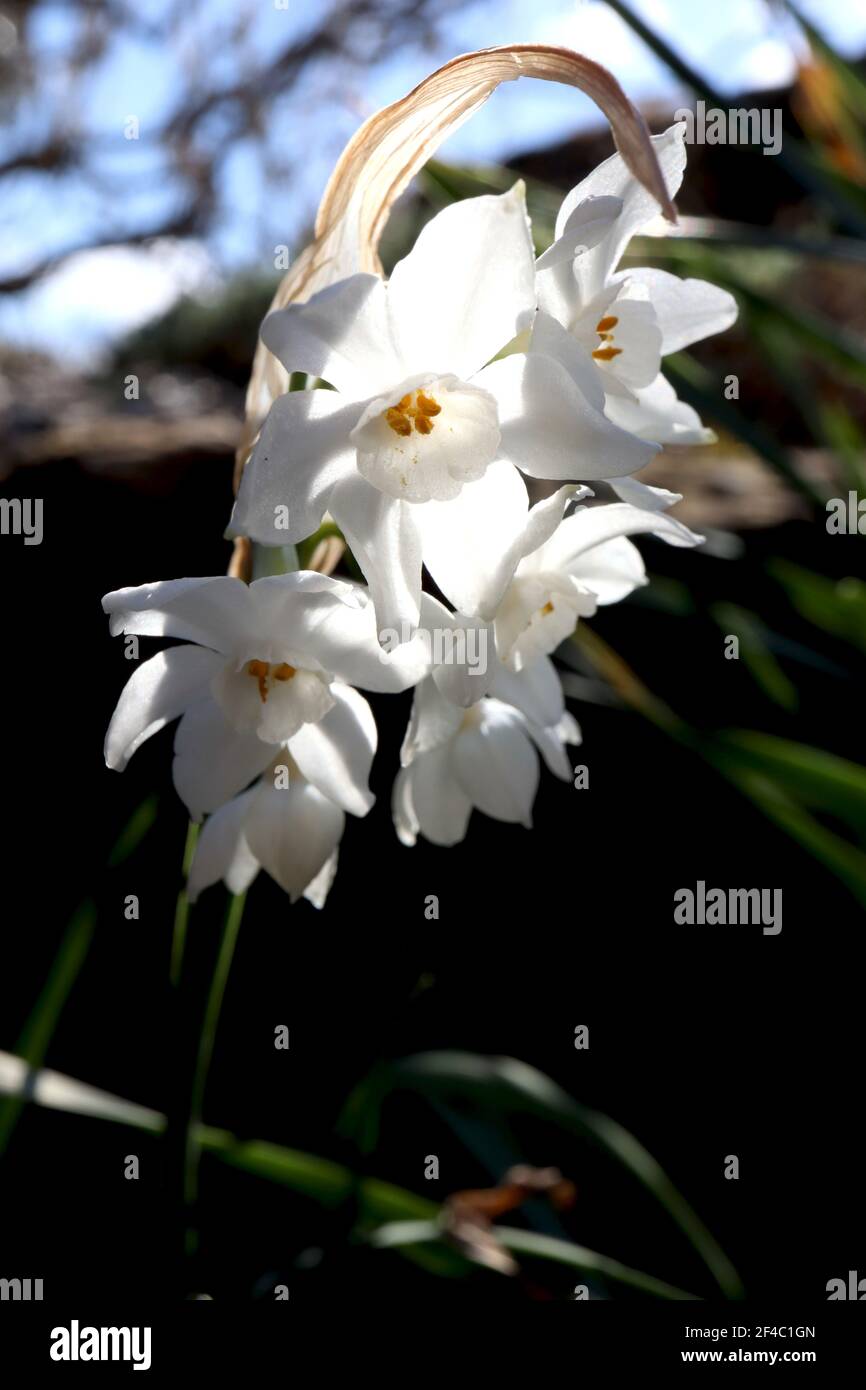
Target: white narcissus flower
524	576
588	562
264	665
484	758
419	411
293	832
625	322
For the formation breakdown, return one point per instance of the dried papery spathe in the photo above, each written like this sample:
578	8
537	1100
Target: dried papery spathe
389	149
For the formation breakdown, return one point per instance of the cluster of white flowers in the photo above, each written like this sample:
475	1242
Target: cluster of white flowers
435	393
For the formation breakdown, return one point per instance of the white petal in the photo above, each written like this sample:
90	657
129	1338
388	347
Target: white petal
212	763
210	611
402	810
686	310
558	286
317	890
306	582
429	799
302	451
590	526
221	852
496	765
656	413
473	544
467	287
550	430
637	339
613	178
342	335
293	832
568	729
535	692
550	339
158	691
462	652
612	570
346	641
336	754
289	609
384	540
537	614
551	745
638	494
545	517
432	724
464	540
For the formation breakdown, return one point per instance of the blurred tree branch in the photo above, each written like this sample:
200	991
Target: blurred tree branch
46	89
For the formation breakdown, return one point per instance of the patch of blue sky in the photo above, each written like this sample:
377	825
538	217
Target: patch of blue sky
741	44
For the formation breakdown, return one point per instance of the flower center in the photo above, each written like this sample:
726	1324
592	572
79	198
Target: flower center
604	328
263	672
416	408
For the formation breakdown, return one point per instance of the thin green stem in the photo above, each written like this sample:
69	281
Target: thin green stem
207	1038
181	912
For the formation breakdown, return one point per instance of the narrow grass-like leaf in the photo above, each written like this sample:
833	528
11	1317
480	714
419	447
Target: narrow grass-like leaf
755	653
701	233
837	606
389	1216
504	1083
36	1035
133	832
822	780
845	861
25	1084
537	1246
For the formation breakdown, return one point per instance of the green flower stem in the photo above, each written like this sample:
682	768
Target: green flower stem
181	912
207	1038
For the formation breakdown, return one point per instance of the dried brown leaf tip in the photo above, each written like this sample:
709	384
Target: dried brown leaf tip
467	1217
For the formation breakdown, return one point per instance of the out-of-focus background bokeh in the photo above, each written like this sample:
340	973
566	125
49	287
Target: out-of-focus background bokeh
158	162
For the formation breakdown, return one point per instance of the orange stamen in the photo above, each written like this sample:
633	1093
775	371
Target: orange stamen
427	405
259	670
398	422
416	409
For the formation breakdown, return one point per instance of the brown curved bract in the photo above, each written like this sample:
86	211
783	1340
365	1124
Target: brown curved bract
389	149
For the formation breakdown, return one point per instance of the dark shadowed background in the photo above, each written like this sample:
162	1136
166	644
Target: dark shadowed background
704	1041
